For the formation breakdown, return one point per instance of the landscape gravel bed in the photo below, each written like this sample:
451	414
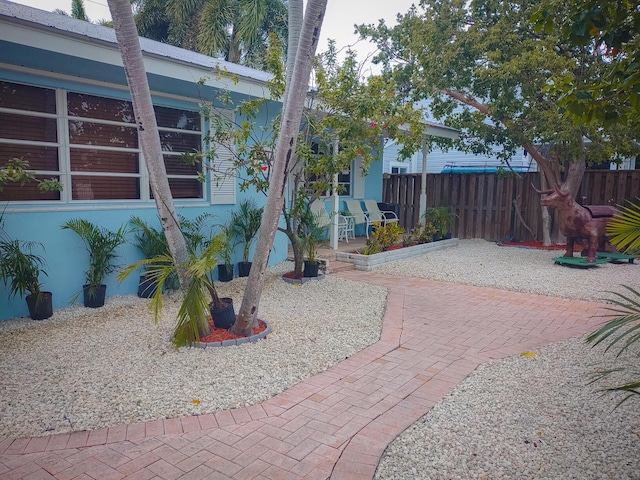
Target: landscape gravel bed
486	264
525	417
85	369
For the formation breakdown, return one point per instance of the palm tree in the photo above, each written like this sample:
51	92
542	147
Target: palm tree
234	29
295	94
129	46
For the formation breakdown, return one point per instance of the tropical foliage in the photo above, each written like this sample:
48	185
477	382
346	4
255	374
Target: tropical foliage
236	30
624	228
382	237
192	320
20	267
101	245
611	32
623	330
245	222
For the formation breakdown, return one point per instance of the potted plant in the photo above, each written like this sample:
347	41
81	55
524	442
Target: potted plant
151	242
225	269
193	313
101	245
440	218
311	235
245	223
21	269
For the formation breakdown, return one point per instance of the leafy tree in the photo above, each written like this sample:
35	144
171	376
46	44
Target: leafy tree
235	29
485	58
345	120
611	32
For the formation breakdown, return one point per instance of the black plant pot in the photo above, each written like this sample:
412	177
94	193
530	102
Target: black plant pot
94	295
223	317
147	287
243	269
40	306
437	236
225	272
447	236
311	269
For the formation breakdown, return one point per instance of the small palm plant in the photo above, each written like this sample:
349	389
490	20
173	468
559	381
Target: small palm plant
246	223
623	329
192	322
101	245
20	268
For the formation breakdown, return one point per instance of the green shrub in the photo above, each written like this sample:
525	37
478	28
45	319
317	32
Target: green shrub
382	237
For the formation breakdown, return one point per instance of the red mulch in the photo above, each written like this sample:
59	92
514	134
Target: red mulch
221	334
292	275
538	245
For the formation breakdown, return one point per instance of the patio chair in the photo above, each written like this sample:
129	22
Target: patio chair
346	228
376	215
320	214
358	215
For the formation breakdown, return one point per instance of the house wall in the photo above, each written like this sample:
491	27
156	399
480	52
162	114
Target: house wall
437	160
66	259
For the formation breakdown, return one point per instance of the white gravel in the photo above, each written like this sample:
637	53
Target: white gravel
525	417
84	369
482	263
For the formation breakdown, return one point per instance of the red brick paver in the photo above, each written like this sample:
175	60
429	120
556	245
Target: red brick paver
336	424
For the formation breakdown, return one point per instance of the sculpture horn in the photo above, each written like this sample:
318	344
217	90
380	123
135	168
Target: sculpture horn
542	192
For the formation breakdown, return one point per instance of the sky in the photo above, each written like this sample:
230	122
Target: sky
340	17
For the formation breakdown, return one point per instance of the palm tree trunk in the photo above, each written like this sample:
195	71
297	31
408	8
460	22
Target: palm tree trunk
129	45
285	148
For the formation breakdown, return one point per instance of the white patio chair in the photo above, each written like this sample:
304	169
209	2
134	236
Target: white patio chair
376	215
358	215
346	228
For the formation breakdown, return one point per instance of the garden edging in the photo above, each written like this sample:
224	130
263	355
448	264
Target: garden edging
369	262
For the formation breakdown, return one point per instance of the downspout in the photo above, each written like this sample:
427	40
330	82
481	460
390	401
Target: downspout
423	184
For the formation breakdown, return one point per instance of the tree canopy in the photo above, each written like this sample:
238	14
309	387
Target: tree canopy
237	30
487	71
611	33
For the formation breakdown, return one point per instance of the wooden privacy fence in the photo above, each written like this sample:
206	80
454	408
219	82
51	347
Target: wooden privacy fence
485	204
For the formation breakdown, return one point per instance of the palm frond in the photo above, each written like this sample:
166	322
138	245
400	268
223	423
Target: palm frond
624	228
214	24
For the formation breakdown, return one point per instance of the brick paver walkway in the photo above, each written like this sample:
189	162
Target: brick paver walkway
336	424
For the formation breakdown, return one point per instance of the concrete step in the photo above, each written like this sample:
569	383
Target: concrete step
335	267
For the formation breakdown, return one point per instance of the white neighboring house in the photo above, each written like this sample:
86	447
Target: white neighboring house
452	161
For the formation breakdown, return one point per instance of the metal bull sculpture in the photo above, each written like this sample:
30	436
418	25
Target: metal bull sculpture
576	222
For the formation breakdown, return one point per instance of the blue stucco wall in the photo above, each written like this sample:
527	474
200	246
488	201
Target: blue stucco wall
67	260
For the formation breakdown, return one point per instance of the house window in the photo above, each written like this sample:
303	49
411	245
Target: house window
29	130
398	169
344	177
91	144
344	183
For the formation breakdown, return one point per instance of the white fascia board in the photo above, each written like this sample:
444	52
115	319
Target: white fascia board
84	47
441	131
435	130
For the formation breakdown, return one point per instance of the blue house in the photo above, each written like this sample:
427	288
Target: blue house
65	108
